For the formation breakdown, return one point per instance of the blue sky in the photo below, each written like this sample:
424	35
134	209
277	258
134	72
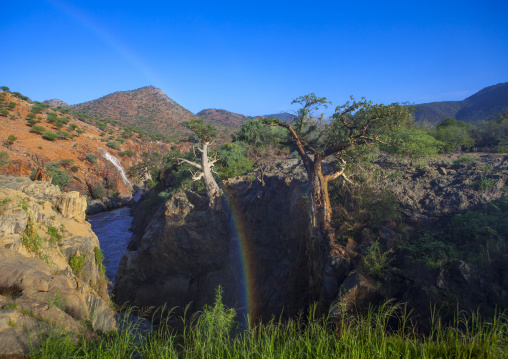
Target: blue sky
254	57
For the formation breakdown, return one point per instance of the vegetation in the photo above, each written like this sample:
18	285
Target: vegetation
91	158
113	144
77	262
4	159
216	333
50	136
60	177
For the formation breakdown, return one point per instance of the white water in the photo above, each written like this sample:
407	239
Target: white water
118	166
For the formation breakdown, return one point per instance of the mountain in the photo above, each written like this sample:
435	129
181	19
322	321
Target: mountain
283	116
484	104
147	108
223	117
54	103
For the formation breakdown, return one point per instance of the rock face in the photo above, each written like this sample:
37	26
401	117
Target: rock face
185	251
49	272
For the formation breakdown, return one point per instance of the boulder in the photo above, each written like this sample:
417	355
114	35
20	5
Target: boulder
71	205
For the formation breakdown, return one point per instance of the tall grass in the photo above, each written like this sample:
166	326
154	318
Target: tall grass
383	333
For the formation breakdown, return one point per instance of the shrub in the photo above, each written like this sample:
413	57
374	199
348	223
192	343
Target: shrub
483	184
11	105
63	135
74	168
376	261
99	257
38	129
4	89
127	153
113	145
60	178
4	159
72	127
77	262
12	138
30	116
31	122
98	192
79	131
50	136
4	113
232	161
91	158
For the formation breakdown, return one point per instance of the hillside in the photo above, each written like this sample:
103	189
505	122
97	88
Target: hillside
484	104
35	137
235	120
147	108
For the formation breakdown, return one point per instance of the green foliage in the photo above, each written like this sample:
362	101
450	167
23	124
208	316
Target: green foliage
127	153
74	168
66	162
20	96
429	248
11	105
483	184
72	127
56	300
99	257
38	129
254	133
91	158
54	236
113	145
63	135
232	161
4	159
463	160
4	113
30	116
37	108
4	89
415	143
31	122
31	240
203	132
454	135
387	332
98	191
50	136
376	260
12	138
77	262
60	177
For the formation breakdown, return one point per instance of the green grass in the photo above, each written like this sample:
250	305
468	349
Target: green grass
216	334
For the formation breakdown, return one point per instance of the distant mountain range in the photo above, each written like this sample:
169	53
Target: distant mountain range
482	105
150	109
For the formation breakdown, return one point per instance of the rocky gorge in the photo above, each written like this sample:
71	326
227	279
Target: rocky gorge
182	251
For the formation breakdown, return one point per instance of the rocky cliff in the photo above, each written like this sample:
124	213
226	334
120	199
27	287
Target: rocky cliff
51	273
183	252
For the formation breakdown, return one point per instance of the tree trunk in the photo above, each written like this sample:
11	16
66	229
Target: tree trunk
212	189
318	247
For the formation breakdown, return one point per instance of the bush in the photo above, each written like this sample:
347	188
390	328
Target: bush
37	129
11	105
232	163
63	135
66	162
74	168
454	135
127	153
31	122
50	136
79	131
60	178
77	262
12	138
98	192
4	113
113	145
483	184
30	116
91	158
4	159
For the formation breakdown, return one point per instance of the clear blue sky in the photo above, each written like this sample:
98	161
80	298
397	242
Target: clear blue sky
254	57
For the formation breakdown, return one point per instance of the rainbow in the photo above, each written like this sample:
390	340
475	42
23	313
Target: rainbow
246	257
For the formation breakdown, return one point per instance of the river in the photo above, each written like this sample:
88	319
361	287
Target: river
112	229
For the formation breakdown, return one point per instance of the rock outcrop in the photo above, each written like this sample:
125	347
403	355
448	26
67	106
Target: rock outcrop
185	251
50	275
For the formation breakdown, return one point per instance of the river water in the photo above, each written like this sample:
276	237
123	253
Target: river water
112	229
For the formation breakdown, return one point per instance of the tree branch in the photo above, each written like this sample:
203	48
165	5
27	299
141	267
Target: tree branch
189	162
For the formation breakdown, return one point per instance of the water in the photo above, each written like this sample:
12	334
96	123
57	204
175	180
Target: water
112	229
118	166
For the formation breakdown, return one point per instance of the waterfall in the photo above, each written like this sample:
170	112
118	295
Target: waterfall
117	164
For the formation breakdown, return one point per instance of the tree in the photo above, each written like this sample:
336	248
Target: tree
204	134
352	129
4	89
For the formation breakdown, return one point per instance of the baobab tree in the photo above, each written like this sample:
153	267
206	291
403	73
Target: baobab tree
354	125
205	134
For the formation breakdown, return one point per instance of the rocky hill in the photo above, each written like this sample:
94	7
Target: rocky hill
147	108
54	103
51	272
71	152
483	105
